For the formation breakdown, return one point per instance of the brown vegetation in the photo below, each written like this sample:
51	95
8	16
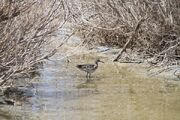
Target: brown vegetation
151	27
25	27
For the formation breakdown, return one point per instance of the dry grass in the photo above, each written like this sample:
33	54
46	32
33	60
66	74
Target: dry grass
25	27
152	26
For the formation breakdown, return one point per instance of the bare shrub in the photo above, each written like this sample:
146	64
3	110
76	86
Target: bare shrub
25	27
150	27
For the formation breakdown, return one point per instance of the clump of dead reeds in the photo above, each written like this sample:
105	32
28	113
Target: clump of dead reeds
146	26
25	27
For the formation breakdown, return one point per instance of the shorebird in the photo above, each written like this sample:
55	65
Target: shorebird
89	68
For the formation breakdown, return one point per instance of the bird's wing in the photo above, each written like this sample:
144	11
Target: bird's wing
85	67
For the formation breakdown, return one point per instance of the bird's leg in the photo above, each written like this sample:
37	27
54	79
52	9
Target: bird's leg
87	75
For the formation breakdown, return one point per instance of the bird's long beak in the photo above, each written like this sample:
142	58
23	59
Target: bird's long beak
101	61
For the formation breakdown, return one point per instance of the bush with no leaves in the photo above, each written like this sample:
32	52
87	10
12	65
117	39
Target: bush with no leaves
25	27
151	27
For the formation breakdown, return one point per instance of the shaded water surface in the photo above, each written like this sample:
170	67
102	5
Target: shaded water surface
115	92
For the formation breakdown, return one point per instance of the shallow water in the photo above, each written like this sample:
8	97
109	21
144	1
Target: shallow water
115	92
